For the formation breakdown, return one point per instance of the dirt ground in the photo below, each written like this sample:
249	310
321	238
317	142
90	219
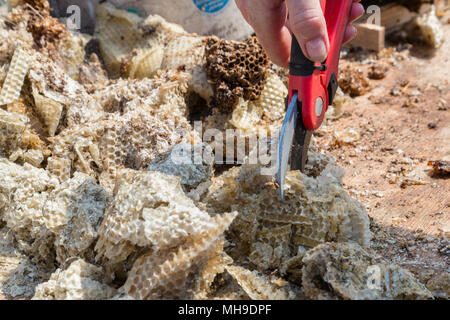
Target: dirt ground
398	126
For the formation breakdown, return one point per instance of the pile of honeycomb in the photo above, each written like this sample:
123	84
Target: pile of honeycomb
269	233
91	128
347	271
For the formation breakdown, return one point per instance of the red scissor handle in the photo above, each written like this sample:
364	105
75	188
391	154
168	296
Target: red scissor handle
316	83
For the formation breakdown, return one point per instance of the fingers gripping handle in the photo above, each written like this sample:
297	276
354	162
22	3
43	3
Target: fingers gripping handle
300	65
316	83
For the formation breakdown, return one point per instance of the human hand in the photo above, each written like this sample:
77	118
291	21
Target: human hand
269	19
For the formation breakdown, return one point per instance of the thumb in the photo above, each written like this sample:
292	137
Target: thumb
309	27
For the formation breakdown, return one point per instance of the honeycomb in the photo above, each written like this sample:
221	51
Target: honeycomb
150	211
440	285
315	211
185	274
23	193
237	69
50	84
15	77
73	212
347	271
79	281
141	120
12	127
258	287
139	213
49	110
272	98
430	28
130	45
181	161
353	82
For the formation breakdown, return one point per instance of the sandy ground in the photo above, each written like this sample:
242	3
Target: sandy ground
403	122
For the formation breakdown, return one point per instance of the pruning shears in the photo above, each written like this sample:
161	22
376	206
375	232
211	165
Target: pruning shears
312	88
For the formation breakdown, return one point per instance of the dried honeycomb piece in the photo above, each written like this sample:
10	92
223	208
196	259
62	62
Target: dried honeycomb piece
117	33
318	209
148	209
245	116
440	168
184	51
259	287
73	212
51	81
143	63
130	45
272	247
186	162
347	271
71	50
378	71
33	157
75	149
134	142
80	281
27	189
15	78
291	269
440	285
12	126
353	81
188	52
272	99
142	120
184	274
236	69
48	109
60	167
431	28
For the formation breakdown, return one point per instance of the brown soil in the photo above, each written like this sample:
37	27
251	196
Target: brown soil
403	123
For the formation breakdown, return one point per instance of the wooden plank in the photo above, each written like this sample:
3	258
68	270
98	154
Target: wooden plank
370	36
395	16
442	6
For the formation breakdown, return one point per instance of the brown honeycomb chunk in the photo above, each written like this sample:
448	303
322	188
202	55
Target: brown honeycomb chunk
237	69
440	168
353	82
378	72
46	30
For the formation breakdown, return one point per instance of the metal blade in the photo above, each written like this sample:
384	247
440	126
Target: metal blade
300	145
284	147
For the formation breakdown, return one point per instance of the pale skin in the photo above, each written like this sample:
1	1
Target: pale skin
269	19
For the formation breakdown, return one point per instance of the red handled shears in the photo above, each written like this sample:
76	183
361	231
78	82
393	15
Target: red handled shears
312	88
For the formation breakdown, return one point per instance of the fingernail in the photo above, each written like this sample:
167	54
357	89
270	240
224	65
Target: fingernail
317	51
